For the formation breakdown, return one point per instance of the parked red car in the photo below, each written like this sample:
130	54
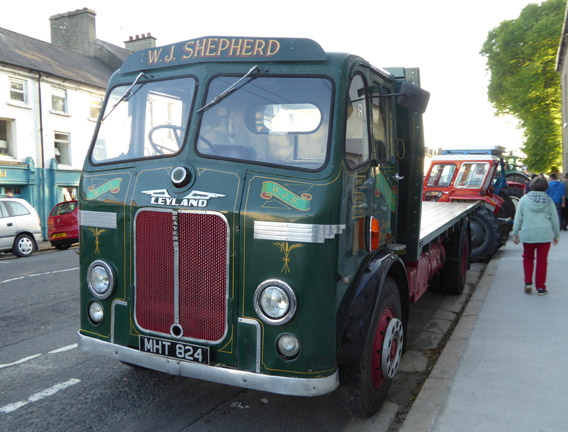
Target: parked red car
62	226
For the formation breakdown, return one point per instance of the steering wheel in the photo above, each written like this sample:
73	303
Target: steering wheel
209	144
164	149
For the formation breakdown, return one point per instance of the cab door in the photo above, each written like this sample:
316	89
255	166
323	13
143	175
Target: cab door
385	151
359	181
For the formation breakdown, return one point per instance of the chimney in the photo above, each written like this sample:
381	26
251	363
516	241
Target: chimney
75	31
140	42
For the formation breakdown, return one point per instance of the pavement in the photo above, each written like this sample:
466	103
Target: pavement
505	367
43	246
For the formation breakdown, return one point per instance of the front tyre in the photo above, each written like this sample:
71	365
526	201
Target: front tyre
366	383
24	246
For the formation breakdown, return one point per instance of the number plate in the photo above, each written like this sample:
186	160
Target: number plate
175	350
59	235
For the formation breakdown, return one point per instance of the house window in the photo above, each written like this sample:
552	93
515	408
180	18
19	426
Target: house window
10	191
19	91
62	148
95	108
5	137
59	100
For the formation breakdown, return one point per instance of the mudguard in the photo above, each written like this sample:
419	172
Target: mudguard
363	303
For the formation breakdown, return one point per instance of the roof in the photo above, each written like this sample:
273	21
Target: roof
466	158
37	55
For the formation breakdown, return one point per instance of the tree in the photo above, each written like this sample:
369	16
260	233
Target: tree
521	59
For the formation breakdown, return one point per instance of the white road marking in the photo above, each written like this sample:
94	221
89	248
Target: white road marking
65	348
39	274
25	359
11	280
41	395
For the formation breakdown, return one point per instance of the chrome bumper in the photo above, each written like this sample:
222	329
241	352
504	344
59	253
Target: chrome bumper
234	377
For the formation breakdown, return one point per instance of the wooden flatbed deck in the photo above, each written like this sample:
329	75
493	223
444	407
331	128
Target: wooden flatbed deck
437	217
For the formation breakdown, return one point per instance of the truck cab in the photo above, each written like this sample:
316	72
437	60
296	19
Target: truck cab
248	208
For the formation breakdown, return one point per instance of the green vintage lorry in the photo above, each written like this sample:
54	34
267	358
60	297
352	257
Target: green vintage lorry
251	214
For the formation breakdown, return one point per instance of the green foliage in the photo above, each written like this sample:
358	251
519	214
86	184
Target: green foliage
521	58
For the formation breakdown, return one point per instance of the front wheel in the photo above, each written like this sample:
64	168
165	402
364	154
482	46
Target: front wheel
366	384
24	246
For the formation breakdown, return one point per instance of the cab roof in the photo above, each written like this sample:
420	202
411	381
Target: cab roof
464	158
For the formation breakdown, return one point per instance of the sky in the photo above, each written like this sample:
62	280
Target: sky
441	37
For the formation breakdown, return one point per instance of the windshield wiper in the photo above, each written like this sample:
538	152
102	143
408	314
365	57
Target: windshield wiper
126	94
229	90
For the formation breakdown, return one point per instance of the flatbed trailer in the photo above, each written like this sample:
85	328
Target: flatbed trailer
443	248
438	217
251	214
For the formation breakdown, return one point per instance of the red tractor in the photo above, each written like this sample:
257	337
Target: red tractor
467	177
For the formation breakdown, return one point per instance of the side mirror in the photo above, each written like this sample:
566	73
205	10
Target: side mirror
413	98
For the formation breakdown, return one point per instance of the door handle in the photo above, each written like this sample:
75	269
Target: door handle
10	224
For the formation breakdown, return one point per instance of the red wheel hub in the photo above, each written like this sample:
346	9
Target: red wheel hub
376	373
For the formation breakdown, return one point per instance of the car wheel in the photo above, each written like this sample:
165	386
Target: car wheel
24	246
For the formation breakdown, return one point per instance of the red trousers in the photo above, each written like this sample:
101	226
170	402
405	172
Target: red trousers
541	262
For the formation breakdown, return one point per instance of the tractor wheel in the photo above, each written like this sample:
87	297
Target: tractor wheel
515	194
517	177
507	210
485	236
366	384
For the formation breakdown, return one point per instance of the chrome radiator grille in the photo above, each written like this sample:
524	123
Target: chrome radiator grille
181	273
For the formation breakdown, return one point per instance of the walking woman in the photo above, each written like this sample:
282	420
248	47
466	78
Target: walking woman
537	221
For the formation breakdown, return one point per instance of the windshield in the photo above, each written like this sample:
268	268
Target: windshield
274	120
151	121
441	175
472	175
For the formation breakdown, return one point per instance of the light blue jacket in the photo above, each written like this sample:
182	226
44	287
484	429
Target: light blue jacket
536	218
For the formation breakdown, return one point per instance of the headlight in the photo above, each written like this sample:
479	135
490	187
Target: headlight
288	346
432	196
100	279
96	312
275	302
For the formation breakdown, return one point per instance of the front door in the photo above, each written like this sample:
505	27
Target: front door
385	153
359	187
7	228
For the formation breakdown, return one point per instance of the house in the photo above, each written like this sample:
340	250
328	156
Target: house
50	98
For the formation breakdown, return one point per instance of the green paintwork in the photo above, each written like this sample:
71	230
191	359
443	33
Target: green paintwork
334	195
